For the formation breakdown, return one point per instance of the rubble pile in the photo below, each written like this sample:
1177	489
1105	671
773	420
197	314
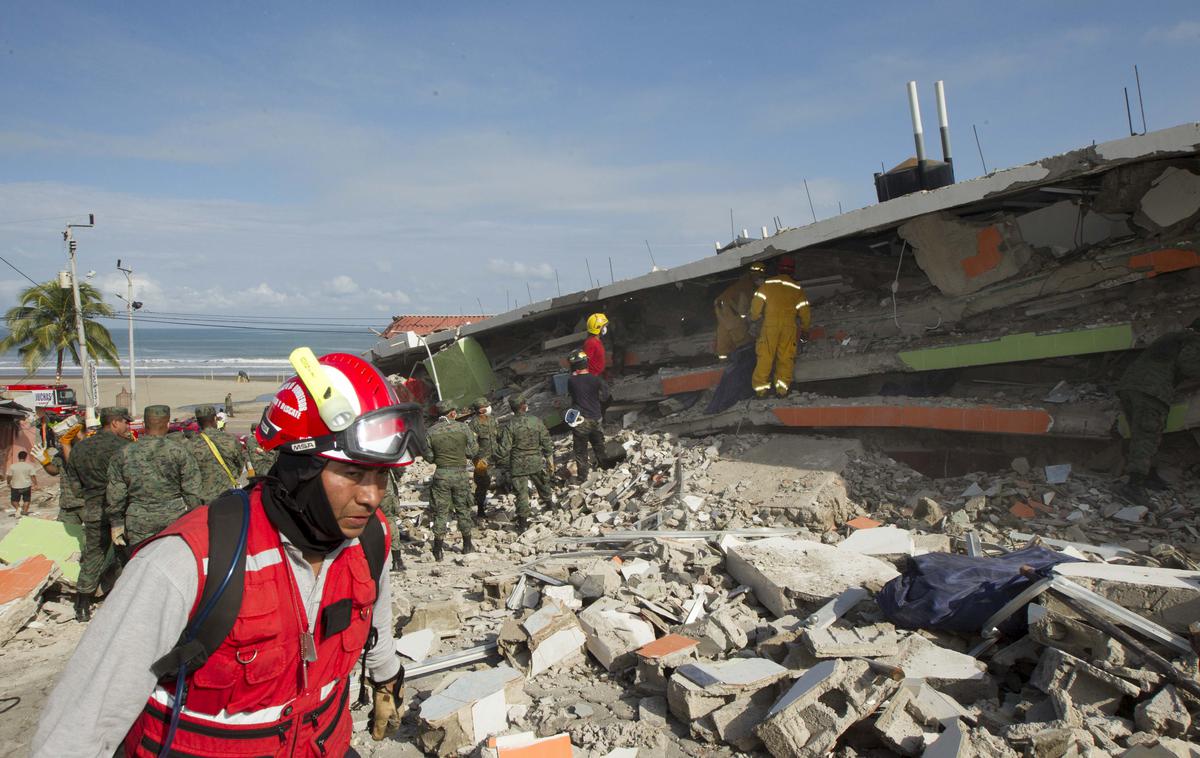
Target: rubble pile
666	609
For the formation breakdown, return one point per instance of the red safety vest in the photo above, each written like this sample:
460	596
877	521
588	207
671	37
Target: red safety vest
254	696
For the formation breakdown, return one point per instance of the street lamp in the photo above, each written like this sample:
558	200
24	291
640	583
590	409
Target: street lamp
131	305
91	390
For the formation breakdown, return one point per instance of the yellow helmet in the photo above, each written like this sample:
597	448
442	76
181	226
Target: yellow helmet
596	322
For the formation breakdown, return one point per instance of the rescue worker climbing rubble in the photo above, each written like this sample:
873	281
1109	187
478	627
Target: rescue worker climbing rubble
732	309
1146	391
778	303
593	346
278	683
453	445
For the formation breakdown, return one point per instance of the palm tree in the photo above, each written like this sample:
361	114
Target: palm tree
44	324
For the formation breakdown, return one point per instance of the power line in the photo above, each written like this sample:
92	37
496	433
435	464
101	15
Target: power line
19	271
174	322
240	317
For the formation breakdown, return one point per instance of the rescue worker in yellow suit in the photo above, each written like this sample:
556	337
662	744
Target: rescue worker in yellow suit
778	302
732	308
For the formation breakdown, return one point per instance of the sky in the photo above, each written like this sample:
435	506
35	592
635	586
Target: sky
359	160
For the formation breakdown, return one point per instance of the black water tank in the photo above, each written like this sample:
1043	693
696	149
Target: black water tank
906	179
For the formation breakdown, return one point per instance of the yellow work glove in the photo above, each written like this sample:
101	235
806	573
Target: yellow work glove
118	535
385	717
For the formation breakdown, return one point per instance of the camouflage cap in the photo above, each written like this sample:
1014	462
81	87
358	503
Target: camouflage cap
114	412
515	402
480	403
445	406
206	411
156	411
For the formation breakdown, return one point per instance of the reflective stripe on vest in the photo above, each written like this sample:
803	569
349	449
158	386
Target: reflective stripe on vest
250	697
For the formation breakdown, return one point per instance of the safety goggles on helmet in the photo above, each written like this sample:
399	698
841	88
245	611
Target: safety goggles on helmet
380	436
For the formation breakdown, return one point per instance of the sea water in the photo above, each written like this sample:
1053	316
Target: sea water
203	351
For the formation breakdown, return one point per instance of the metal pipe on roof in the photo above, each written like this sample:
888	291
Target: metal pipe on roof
914	108
939	92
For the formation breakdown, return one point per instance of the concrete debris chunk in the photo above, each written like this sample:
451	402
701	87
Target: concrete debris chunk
597	579
785	572
1170	597
564	595
1075	637
21	586
443	617
915	716
541	640
697	689
416	645
469	708
612	634
736	720
956	674
1082	682
884	540
822	704
1166	714
870	641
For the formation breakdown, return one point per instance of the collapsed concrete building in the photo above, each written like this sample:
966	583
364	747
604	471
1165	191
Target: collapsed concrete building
945	310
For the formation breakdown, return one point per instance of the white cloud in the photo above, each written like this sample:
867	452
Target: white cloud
1181	31
343	285
520	270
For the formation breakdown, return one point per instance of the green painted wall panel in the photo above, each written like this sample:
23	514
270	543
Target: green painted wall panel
1028	346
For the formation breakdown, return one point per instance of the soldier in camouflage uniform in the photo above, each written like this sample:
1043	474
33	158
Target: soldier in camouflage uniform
1146	391
452	444
260	460
526	450
216	476
151	483
70	496
487	433
89	463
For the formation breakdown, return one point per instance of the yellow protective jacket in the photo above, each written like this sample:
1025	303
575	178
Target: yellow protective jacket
781	300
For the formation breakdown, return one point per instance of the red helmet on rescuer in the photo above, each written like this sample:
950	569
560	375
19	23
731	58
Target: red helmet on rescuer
379	435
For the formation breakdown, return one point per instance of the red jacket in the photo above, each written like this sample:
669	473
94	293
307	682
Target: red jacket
595	353
254	695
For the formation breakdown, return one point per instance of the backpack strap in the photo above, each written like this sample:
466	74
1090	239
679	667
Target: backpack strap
221	599
373	541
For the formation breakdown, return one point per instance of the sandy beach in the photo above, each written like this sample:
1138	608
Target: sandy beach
183	394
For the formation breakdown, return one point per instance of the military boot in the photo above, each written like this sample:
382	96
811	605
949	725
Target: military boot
467	546
1135	490
83	608
1153	481
481	511
522	523
439	545
397	560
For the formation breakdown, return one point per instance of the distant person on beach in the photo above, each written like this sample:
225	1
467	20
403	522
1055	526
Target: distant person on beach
229	404
220	456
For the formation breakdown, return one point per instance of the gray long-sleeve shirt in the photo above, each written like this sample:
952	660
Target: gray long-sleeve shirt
107	681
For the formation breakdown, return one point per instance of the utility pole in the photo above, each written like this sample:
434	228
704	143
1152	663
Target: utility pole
130	306
90	390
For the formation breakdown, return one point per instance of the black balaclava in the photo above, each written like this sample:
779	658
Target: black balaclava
295	502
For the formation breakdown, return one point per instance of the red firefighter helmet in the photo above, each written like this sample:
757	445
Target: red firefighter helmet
380	433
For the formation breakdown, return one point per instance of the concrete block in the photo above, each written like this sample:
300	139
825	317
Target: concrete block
653	711
735	721
1075	637
1082	682
785	572
1166	714
697	689
822	704
883	540
1170	597
564	595
670	651
958	675
444	617
597	579
416	646
543	639
468	709
850	641
914	718
612	634
690	701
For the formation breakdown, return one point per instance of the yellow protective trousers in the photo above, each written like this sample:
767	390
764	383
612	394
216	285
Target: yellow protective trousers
776	345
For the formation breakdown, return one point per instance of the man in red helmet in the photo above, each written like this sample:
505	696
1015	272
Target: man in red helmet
278	682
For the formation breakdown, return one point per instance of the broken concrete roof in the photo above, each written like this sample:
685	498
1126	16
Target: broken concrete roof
1176	141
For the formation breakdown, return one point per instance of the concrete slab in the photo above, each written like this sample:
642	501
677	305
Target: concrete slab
884	540
955	674
786	572
416	646
1174	197
469	709
870	641
1170	597
734	675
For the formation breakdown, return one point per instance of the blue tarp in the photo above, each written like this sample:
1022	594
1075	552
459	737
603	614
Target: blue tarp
958	593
